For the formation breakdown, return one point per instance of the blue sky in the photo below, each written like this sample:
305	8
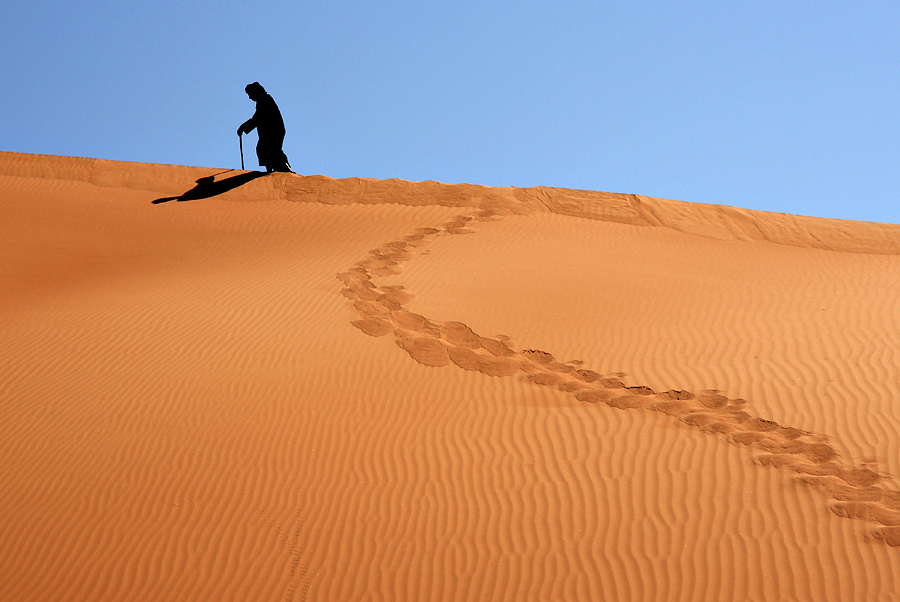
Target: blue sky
782	106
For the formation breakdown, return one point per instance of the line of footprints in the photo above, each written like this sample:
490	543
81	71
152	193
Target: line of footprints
857	491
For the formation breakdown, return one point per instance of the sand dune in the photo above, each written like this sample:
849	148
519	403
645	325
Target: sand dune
218	386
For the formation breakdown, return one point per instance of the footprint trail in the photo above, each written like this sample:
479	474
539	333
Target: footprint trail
857	491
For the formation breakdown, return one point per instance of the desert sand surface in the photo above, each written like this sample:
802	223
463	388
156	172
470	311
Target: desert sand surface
216	385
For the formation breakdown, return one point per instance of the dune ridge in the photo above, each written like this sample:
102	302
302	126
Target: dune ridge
713	221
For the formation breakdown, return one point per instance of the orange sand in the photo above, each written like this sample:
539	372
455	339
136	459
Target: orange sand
300	388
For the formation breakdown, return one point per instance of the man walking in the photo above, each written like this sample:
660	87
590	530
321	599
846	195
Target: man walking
270	127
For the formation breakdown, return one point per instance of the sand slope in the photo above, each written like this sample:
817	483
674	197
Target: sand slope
215	386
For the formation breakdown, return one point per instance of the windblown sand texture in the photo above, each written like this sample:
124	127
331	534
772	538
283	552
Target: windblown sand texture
218	386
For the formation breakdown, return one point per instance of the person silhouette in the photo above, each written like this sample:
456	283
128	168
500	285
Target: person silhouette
270	128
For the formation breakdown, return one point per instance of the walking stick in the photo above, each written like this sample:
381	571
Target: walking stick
241	141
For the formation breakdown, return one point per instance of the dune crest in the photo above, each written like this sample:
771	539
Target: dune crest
714	221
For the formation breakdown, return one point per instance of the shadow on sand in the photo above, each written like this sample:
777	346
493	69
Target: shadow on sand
208	187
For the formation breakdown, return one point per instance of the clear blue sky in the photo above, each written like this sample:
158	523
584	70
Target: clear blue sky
777	105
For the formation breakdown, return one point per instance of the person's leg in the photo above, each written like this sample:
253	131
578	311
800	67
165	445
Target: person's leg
279	159
271	156
283	163
261	155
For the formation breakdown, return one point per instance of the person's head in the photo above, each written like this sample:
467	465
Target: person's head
255	91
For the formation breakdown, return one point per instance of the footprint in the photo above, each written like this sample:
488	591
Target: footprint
426	351
374	327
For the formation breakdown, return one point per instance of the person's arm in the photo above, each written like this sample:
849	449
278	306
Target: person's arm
247	126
